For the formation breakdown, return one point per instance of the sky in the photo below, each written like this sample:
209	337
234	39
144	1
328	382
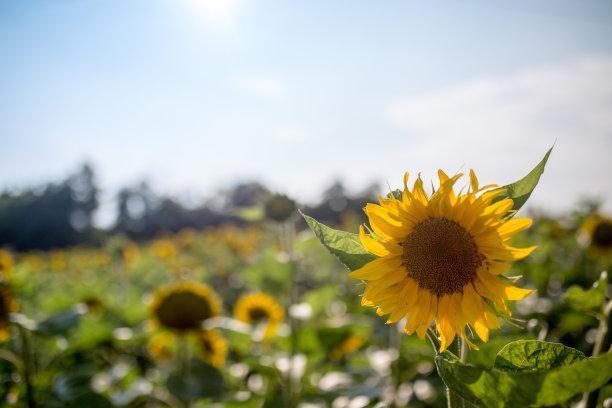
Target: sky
195	95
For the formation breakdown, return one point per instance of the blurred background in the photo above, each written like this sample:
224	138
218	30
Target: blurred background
144	142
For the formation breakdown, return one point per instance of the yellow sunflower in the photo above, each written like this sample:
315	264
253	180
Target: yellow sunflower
597	230
6	263
185	305
213	347
259	308
8	305
440	257
347	346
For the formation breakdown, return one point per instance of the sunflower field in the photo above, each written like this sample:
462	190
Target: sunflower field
443	298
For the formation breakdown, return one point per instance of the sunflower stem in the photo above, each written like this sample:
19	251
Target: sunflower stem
453	399
602	342
26	354
463	352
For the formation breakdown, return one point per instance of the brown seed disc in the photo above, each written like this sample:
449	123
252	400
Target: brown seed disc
441	256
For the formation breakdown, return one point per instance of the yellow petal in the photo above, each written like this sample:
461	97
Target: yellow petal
377	268
514	293
375	247
473	181
513	226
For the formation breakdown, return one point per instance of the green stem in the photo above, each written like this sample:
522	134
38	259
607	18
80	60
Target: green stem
602	342
463	350
453	399
26	354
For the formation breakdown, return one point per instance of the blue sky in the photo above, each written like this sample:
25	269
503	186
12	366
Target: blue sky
196	94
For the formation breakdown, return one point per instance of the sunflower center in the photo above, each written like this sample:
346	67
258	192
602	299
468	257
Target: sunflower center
441	256
602	235
256	314
183	311
207	346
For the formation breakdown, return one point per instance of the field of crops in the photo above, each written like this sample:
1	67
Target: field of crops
282	322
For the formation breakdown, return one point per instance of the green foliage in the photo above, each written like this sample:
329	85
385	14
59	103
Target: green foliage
73	388
590	299
61	322
198	380
344	245
526	373
521	190
533	355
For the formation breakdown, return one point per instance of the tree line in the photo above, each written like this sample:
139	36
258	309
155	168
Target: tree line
61	214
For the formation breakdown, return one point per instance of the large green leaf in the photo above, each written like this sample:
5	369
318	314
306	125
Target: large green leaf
344	245
534	355
521	190
547	384
588	300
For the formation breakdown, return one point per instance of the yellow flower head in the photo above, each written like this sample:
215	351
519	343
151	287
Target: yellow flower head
131	253
347	346
8	305
440	257
6	263
164	249
213	347
185	305
598	232
259	308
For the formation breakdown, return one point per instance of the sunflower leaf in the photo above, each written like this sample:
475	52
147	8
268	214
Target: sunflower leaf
521	190
554	382
585	300
534	355
344	245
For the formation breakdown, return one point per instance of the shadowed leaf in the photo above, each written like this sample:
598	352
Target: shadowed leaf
344	245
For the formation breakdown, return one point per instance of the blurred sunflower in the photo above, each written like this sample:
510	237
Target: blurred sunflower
259	308
164	249
213	347
347	346
6	263
8	305
130	253
440	257
184	306
179	310
597	231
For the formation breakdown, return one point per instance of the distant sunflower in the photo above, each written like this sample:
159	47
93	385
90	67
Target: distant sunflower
349	345
598	232
6	263
213	347
440	257
259	308
185	306
8	305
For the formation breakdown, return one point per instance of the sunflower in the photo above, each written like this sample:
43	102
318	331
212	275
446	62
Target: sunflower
8	305
213	347
347	346
6	263
440	257
597	230
259	308
184	306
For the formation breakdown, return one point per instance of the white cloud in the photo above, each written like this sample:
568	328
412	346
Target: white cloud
505	124
290	135
260	85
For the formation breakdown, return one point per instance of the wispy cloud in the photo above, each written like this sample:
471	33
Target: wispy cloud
506	122
260	85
